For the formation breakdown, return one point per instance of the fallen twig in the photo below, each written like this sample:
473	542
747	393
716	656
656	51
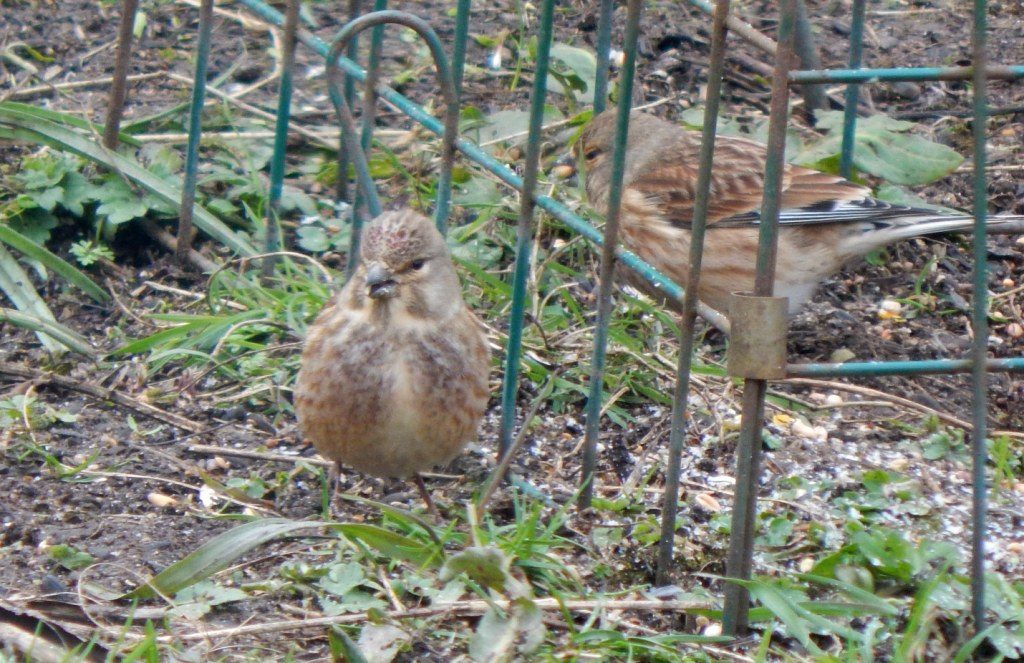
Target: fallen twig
207	449
470	608
100	393
897	400
27	92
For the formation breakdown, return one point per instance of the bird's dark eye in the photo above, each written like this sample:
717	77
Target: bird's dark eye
592	154
417	264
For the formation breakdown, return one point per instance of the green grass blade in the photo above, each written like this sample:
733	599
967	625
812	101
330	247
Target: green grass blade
217	554
50	260
784	610
390	543
17	285
49	329
68	120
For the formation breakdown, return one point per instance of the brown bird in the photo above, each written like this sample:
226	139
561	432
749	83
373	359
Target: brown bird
825	221
394	370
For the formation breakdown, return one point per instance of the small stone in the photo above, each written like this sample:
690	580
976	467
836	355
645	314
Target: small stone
803	430
890	309
708	502
806	564
713	630
832	400
1015	330
160	500
841	355
906	90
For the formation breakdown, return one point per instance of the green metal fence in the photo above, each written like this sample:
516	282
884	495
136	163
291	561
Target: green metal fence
785	74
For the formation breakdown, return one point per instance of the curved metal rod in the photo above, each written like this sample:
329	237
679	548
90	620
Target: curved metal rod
448	90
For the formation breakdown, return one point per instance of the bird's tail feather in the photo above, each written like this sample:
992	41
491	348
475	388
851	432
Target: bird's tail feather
916	226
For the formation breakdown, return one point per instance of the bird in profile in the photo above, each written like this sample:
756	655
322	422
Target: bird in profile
394	370
825	221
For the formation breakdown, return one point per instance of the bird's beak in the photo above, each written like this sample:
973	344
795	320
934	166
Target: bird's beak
380	282
564	167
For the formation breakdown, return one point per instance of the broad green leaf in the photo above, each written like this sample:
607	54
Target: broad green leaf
77	191
499	636
32	250
582	63
34	224
380	642
897	195
884	148
342	578
512	125
488	567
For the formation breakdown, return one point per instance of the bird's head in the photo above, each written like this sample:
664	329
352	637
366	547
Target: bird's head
405	264
597	145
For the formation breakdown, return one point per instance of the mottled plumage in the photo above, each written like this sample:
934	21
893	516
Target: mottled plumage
394	370
826	221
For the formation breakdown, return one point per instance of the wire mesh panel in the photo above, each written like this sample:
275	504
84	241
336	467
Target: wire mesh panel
755	309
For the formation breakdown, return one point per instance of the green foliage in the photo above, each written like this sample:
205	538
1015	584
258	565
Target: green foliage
70	558
19	411
884	147
197	600
574	71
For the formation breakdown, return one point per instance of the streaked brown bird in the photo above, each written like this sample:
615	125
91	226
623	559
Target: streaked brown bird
394	370
825	221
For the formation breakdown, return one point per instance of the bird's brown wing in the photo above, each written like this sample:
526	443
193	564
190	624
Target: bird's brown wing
737	183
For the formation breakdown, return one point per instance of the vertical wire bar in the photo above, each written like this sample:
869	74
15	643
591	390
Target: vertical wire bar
814	95
369	114
350	139
195	121
461	39
852	89
526	205
115	102
272	240
451	127
604	46
748	450
443	196
341	189
979	320
680	399
611	235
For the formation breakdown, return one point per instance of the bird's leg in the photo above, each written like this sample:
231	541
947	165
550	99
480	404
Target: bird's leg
333	486
426	496
334	478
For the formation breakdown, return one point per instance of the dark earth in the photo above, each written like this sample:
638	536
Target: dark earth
140	510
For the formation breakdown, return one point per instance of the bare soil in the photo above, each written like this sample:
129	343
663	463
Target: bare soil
118	517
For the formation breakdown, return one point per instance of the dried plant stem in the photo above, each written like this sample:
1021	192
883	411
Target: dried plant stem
470	608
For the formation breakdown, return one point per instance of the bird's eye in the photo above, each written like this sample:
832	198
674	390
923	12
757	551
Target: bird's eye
417	264
592	154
